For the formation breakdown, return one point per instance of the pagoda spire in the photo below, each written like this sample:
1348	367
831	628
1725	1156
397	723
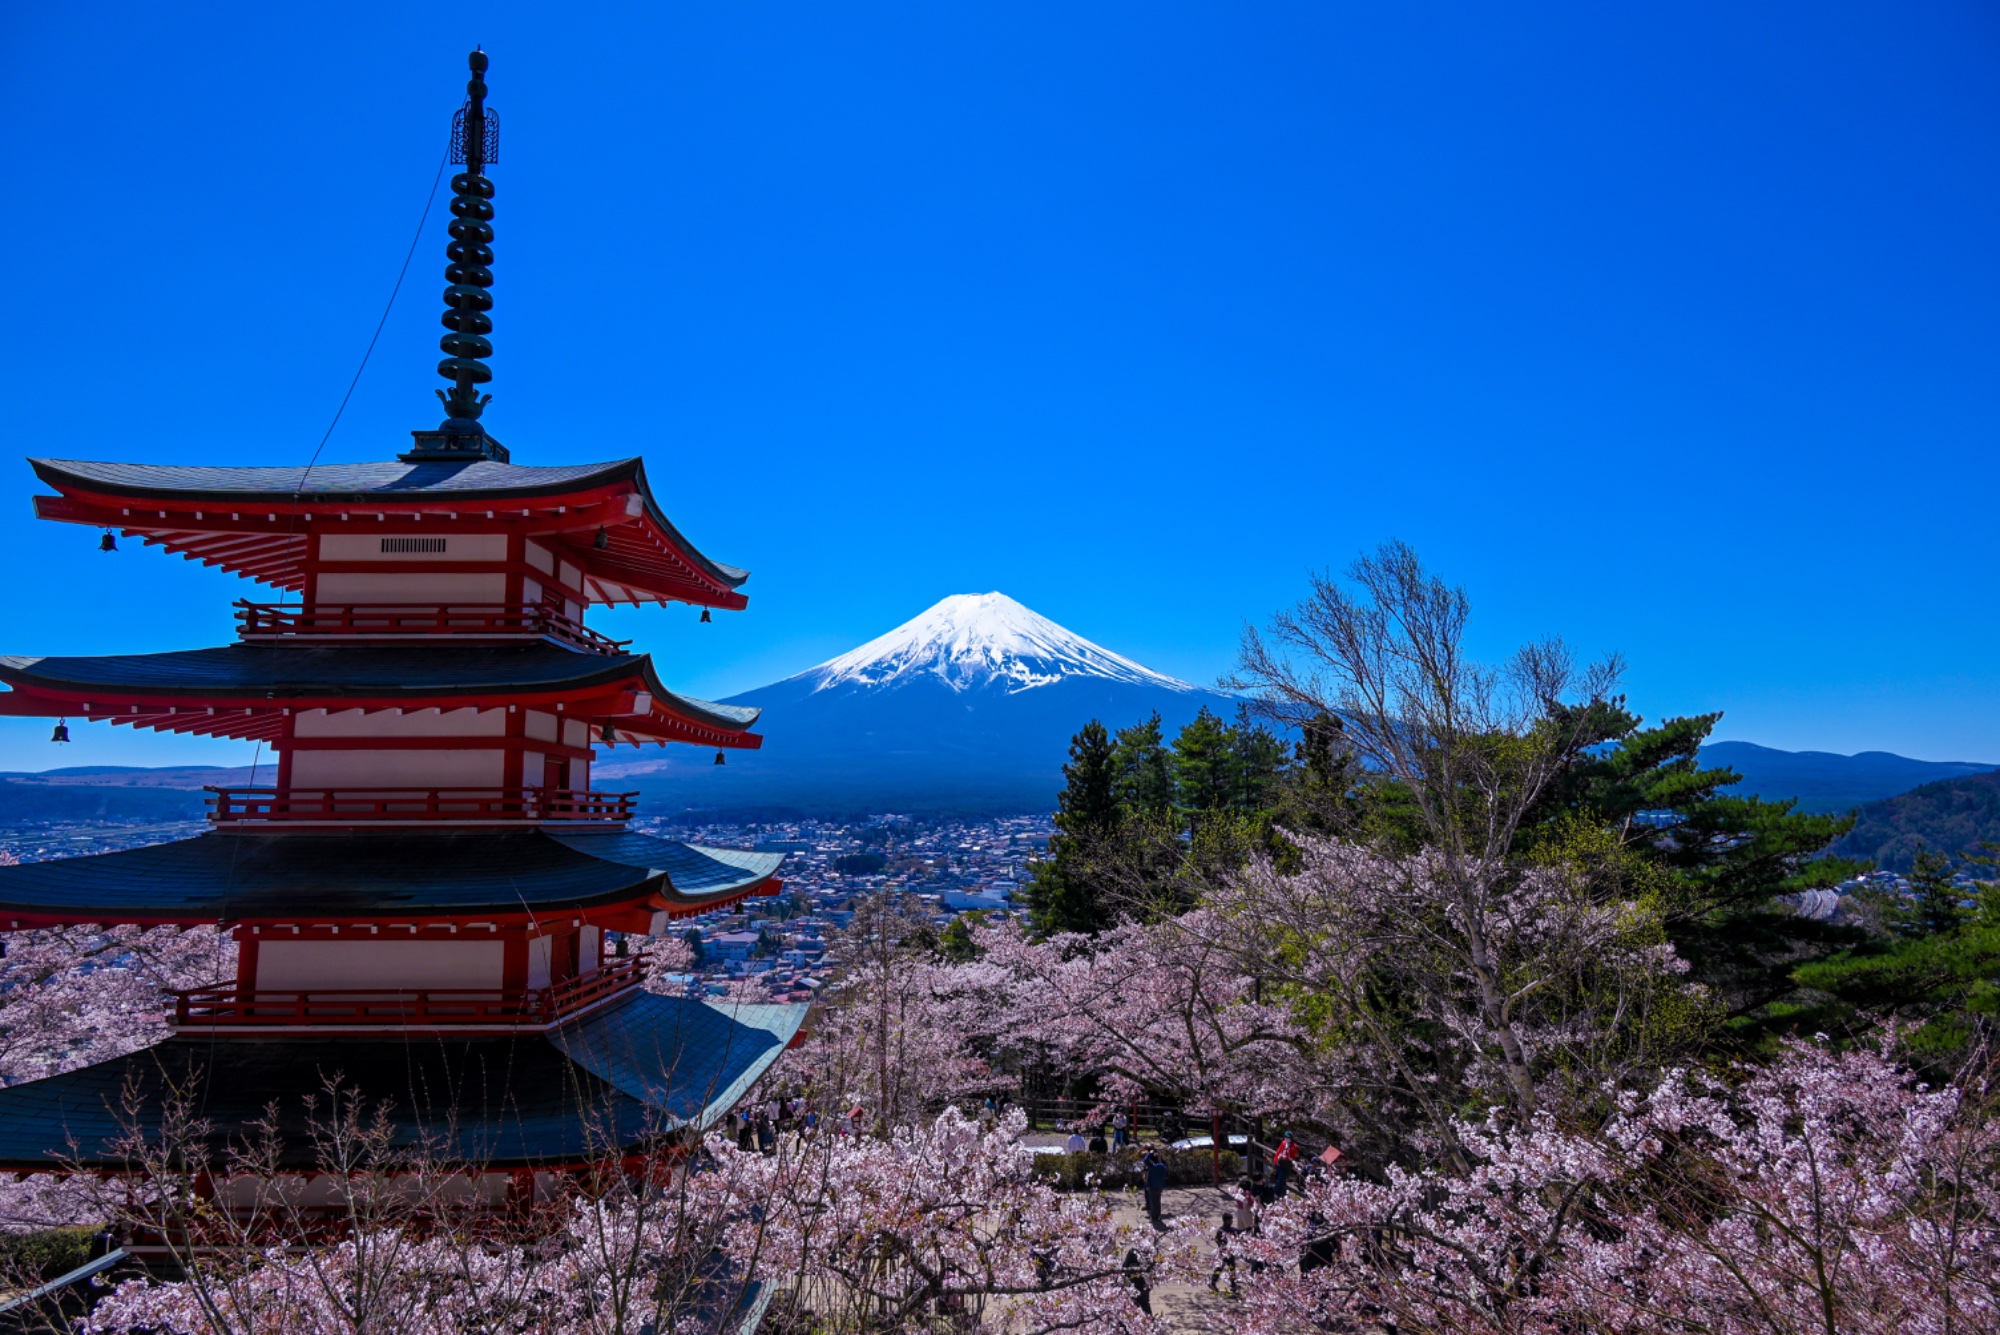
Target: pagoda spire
475	142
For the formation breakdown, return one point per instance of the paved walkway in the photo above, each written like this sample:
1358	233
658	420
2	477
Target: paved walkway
1188	1307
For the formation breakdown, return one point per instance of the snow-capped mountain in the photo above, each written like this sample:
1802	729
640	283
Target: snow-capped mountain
969	706
971	640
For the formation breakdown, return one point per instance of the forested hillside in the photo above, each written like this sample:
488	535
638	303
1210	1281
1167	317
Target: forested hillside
1952	817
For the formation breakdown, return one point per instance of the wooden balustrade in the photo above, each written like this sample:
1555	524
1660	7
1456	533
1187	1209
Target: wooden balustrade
530	806
229	1006
260	621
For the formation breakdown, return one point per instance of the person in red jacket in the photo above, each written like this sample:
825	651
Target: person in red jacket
1284	1159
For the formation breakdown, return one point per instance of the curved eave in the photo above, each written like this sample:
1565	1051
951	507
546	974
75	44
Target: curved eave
623	691
624	1077
392	880
258	526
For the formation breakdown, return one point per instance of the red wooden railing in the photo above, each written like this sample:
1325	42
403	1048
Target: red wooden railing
231	806
363	621
226	1005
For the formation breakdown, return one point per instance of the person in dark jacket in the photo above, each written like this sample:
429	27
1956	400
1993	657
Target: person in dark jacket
1155	1169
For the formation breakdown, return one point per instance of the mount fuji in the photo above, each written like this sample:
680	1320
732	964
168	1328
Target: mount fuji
967	708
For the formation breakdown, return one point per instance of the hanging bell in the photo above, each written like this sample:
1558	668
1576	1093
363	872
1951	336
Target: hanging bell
61	734
107	543
610	735
602	540
718	757
705	616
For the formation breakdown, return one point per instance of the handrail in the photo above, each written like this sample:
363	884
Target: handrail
236	805
225	1004
369	620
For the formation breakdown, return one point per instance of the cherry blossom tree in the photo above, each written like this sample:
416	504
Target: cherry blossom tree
1373	955
946	1221
1161	1009
1824	1193
1381	660
70	996
904	1031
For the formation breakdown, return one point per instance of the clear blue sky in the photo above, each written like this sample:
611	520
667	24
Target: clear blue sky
1670	328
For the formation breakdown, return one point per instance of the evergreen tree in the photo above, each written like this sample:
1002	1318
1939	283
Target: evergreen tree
1257	758
1145	783
1634	802
1936	904
1943	989
1205	761
1067	892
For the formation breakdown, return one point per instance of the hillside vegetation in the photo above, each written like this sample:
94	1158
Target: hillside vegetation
1954	816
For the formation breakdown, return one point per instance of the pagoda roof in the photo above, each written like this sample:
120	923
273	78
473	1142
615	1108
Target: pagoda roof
381	877
650	1067
264	537
259	682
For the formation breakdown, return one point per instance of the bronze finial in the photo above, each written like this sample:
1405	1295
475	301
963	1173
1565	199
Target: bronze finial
475	142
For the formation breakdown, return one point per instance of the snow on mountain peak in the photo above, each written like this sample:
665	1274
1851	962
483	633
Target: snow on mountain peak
974	639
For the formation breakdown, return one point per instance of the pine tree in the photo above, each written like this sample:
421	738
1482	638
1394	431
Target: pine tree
1145	782
1205	763
1936	903
1720	867
1065	894
1257	759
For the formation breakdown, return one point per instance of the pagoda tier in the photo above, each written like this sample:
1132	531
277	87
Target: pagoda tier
489	530
463	932
364	734
652	1069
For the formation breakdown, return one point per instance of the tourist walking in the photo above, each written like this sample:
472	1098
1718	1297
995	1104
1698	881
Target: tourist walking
1121	1127
1155	1169
1225	1253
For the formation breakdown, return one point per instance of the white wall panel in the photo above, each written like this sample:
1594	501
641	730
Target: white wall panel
410	723
399	769
471	589
376	962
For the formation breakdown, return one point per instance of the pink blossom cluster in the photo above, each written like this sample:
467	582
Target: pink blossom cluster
1825	1192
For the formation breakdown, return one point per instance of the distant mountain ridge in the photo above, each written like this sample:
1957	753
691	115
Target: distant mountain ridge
1953	816
967	708
1825	780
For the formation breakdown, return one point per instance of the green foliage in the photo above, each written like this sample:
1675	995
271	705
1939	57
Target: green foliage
1934	969
45	1253
860	864
1141	824
1204	765
696	951
1717	865
1067	894
1144	782
955	942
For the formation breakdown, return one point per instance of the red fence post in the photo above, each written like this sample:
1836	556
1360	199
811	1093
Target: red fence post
1215	1149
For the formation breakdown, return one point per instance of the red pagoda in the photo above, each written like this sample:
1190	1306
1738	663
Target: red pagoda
422	900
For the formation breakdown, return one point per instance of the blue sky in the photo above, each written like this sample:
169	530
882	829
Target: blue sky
1667	328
